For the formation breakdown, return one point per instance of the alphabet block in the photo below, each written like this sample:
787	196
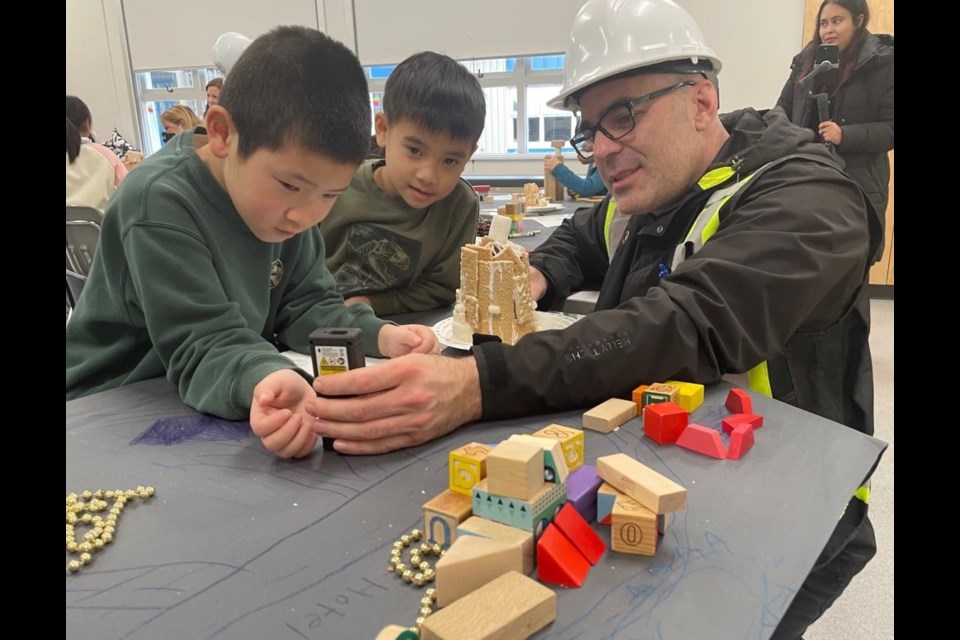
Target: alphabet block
442	514
690	396
468	467
571	441
633	528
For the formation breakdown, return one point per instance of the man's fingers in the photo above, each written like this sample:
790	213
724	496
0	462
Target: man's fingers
374	447
385	375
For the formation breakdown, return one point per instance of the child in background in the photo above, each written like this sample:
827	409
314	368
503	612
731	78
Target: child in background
79	114
592	185
210	252
394	236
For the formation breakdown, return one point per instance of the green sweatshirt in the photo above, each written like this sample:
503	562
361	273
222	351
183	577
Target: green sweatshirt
180	287
402	259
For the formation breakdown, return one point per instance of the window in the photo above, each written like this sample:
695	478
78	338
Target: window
516	92
157	91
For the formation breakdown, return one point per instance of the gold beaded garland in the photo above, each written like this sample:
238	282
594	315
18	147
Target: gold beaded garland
418	572
83	509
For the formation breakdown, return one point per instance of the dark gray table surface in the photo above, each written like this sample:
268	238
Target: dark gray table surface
239	544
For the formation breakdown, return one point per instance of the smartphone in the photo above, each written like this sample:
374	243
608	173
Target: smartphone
827	53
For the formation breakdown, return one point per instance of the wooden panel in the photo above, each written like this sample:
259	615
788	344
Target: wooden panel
881	21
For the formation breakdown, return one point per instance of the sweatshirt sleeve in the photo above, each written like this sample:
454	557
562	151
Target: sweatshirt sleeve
206	346
792	254
436	285
591	185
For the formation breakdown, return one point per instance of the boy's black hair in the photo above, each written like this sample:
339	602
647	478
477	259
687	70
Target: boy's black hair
297	85
438	93
73	142
78	112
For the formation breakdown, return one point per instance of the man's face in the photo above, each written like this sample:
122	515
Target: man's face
423	167
283	192
652	165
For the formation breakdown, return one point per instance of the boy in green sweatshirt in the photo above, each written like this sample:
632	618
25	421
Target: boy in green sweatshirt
394	237
210	253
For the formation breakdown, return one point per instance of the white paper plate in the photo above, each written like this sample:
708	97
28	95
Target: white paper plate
542	320
549	207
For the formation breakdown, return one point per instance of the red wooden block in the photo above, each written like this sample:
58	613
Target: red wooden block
579	533
663	422
702	440
741	441
738	401
558	561
751	419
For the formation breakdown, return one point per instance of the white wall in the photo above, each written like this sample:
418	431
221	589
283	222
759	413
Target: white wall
755	39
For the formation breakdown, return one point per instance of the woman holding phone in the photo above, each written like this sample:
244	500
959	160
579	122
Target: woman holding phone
859	123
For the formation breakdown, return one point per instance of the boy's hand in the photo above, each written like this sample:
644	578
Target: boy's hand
278	414
398	403
549	162
397	340
357	300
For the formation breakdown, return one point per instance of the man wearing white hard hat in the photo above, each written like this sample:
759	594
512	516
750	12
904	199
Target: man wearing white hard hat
745	253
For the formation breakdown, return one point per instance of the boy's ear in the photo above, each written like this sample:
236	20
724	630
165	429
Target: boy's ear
219	130
381	127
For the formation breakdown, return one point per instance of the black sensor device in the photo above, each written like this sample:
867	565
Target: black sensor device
335	350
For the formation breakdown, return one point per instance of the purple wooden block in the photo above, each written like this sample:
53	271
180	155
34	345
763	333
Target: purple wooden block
582	485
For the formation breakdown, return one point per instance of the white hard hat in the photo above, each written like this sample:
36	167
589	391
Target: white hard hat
227	50
610	37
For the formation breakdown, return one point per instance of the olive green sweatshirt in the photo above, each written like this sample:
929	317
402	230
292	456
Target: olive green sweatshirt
180	287
402	259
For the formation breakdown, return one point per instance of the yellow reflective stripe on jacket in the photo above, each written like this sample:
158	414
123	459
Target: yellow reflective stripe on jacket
611	211
863	494
714	177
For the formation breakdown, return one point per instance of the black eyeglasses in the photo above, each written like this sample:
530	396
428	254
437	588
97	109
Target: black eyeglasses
618	120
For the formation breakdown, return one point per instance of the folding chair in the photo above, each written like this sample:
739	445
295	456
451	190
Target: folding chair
75	283
83	234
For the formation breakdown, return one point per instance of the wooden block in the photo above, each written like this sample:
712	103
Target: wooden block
554	463
633	527
609	415
741	441
571	441
580	534
701	439
559	561
470	563
730	422
515	470
511	606
606	497
643	484
468	467
663	422
672	391
582	487
637	397
443	513
739	401
691	394
391	632
520	541
531	515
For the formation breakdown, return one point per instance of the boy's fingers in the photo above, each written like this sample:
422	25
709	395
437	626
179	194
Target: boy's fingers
292	448
279	438
266	423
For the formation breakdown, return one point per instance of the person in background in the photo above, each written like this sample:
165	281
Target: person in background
178	119
79	114
213	93
394	236
860	126
90	176
745	256
591	185
210	254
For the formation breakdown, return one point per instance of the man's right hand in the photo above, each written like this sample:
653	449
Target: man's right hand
402	402
538	283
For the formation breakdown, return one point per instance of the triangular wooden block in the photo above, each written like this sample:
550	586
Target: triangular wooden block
558	561
703	440
738	401
579	533
753	420
741	441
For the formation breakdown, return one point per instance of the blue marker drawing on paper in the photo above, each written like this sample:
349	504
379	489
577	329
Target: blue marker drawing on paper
193	428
